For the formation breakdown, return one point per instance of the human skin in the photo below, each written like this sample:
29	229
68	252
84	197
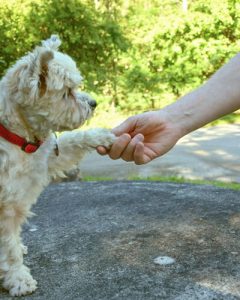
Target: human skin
144	137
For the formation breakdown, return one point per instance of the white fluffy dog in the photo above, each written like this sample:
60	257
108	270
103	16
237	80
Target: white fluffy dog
38	96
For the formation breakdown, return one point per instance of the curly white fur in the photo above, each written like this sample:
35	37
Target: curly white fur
43	87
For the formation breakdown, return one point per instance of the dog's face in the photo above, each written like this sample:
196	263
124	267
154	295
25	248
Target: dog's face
44	85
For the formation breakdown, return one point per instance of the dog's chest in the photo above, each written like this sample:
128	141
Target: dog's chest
25	176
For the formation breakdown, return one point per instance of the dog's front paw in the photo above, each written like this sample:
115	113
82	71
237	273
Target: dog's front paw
20	282
100	137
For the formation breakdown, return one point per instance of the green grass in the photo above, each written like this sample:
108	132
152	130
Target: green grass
228	185
174	179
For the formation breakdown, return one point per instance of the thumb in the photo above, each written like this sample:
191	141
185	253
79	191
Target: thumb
126	127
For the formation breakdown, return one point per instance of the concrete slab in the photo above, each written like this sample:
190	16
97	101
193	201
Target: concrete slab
104	240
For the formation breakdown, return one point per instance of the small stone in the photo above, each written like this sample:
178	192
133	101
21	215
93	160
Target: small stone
33	229
164	260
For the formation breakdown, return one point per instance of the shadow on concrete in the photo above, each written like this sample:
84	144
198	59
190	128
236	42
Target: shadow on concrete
98	240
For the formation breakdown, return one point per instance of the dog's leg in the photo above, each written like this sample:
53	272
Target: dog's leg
73	145
16	276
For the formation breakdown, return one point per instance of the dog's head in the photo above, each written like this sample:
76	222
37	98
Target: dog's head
44	84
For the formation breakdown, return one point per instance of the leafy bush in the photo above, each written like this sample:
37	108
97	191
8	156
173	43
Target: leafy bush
135	55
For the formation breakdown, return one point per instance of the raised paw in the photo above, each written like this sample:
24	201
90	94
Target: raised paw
99	137
20	282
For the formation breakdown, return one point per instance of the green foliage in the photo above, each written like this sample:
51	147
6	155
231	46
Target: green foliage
135	55
12	27
177	51
88	37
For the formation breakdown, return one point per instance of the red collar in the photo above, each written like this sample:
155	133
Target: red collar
19	141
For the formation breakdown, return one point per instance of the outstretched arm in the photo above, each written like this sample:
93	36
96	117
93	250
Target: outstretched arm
144	137
219	96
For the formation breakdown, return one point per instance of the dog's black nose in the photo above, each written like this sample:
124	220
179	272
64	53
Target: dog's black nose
92	103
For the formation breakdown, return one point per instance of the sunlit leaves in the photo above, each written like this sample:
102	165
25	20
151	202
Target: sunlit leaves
136	55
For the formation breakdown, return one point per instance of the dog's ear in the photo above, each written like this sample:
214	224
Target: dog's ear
45	57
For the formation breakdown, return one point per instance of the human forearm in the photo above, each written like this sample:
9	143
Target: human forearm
219	96
144	137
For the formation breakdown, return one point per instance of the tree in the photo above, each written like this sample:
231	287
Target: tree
135	55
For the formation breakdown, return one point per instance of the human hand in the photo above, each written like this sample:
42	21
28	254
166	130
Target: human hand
143	137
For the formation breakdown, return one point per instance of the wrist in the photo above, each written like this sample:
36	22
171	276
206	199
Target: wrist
180	118
171	121
191	111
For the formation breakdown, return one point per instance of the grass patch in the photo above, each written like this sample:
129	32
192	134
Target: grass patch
227	185
174	179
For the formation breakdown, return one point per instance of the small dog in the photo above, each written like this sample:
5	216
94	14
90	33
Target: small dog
38	96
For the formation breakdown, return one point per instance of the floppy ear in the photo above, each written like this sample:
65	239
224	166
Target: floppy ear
44	59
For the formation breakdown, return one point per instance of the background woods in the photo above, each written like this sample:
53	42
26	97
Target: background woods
135	55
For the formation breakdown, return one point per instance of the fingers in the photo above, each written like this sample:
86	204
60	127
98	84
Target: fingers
124	147
101	150
117	148
120	131
119	145
128	153
140	157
